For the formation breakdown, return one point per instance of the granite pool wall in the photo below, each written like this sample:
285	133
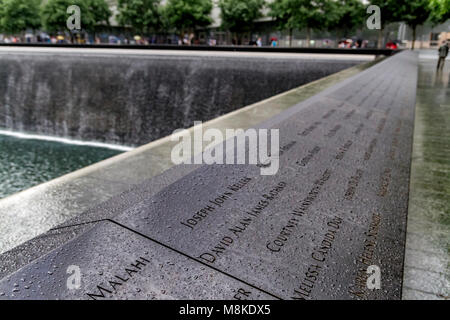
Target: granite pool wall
132	99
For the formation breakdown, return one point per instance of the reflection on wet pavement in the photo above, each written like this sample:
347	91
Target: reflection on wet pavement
427	269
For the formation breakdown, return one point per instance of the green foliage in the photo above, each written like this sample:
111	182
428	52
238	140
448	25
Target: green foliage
19	15
299	14
239	15
54	14
186	15
390	10
351	14
1	15
413	12
99	9
440	11
93	12
141	15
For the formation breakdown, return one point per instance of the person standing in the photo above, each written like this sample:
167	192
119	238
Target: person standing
259	42
443	52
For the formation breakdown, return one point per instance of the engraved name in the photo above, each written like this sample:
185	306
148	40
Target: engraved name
319	257
359	129
310	128
215	203
385	181
365	259
328	114
352	184
350	114
110	287
344	149
333	131
308	158
370	149
243	223
287	230
381	125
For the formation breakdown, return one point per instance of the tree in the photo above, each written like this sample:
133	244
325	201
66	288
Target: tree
17	16
238	16
99	10
54	15
414	13
440	11
1	15
142	15
350	15
93	12
187	15
389	13
284	17
300	14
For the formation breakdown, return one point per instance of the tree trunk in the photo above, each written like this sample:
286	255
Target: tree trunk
414	37
239	37
380	38
308	36
338	37
290	37
182	37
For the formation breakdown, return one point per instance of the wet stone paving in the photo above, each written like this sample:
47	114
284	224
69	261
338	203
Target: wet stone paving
427	255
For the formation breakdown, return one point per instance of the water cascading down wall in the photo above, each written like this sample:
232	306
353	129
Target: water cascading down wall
135	99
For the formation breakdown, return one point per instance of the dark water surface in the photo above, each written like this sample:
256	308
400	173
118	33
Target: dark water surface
25	162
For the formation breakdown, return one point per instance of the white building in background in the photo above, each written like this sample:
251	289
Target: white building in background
215	14
427	36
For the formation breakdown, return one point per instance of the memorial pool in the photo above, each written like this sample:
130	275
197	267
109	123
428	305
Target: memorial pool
344	208
28	162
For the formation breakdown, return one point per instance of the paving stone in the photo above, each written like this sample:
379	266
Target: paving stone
115	263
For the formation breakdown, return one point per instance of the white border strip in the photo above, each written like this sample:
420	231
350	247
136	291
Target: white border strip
22	135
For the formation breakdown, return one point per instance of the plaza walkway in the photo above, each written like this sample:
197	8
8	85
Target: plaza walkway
427	271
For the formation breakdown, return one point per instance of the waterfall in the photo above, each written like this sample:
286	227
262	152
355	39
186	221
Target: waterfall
134	99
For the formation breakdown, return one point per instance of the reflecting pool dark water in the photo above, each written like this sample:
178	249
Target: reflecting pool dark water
27	162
